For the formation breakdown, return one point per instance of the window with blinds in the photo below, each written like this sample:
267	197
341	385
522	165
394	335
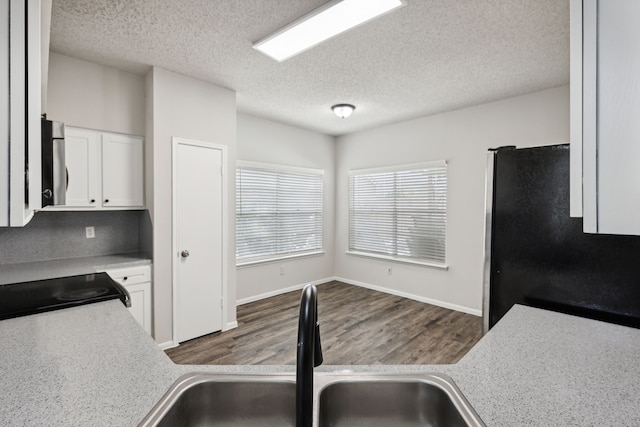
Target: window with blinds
399	212
278	212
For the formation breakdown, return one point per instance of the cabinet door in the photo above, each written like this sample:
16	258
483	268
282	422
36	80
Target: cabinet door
141	304
5	166
20	102
137	281
611	107
82	157
618	134
122	172
575	107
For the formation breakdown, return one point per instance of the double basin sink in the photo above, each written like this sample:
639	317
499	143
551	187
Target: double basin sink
340	399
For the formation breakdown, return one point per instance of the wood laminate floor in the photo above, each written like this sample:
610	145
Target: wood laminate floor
358	326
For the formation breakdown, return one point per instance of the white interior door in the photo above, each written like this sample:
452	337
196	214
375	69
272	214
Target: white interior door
198	239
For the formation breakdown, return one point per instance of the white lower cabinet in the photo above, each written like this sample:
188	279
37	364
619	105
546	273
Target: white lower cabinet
141	304
137	281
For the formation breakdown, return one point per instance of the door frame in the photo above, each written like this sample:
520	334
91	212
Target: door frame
175	141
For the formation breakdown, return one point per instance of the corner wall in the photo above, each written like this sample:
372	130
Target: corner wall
461	138
85	94
181	106
266	141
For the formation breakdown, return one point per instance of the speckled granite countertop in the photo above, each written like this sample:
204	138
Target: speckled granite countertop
95	366
40	270
541	368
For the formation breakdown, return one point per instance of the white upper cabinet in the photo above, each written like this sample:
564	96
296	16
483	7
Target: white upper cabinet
82	159
605	115
104	170
122	170
20	108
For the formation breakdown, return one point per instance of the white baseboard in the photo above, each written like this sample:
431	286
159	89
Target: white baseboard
172	344
443	304
439	303
281	291
168	344
230	325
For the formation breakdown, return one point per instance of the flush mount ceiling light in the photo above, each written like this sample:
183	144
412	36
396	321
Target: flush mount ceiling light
343	110
323	23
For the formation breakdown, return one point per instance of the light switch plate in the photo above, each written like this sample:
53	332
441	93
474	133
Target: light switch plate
90	232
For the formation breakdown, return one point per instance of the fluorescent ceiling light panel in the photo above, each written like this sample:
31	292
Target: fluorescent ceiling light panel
323	23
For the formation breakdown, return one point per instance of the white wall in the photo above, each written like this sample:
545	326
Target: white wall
181	106
462	138
85	94
265	141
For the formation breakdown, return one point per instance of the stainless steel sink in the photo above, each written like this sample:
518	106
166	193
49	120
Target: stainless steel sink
340	399
379	400
226	400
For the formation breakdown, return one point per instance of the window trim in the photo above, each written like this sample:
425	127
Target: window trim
283	168
273	166
439	266
399	168
283	257
395	168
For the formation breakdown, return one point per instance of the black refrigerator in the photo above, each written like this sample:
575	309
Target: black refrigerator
536	255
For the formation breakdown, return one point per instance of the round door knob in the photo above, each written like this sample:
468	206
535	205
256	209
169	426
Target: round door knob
184	254
106	200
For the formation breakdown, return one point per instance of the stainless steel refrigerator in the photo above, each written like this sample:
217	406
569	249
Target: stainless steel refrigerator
536	255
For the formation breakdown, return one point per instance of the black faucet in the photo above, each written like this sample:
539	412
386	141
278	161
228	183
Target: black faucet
309	355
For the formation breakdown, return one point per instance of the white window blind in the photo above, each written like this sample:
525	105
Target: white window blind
400	212
278	212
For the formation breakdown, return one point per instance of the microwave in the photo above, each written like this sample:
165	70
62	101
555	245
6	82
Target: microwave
55	178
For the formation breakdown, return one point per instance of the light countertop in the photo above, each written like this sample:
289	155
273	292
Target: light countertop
40	270
95	366
541	368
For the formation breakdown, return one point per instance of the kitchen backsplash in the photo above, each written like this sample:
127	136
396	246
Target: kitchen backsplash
59	235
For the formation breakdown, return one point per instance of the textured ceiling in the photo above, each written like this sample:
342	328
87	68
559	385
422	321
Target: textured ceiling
428	57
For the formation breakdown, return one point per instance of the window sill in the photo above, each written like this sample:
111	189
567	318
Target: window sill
398	259
278	258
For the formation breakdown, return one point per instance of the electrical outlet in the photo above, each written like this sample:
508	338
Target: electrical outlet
282	270
90	232
389	271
